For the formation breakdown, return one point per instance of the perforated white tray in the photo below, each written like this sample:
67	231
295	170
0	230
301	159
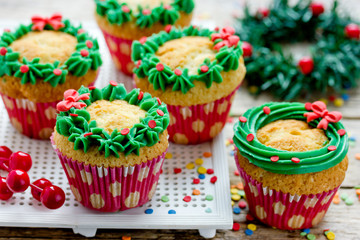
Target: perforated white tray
23	211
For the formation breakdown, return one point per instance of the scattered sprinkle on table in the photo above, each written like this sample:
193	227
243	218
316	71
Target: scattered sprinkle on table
357	156
168	155
213	179
208	210
233	191
196	181
311	236
357	191
164	198
236	210
241	193
336	200
349	201
202	176
196	192
306	230
209	197
252	227
149	211
177	170
240	186
187	198
199	161
330	235
236	173
235	197
126	238
232	203
210	171
303	234
207	154
201	170
236	226
248	232
242	204
190	165
249	217
344	196
338	102
171	212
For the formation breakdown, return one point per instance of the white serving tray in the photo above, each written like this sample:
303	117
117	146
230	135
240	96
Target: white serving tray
23	211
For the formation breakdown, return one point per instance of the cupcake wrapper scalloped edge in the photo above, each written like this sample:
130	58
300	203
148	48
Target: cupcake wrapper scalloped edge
283	210
199	123
109	189
120	50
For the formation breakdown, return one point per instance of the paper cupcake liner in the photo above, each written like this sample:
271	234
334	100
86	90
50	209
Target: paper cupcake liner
112	189
283	210
199	123
120	50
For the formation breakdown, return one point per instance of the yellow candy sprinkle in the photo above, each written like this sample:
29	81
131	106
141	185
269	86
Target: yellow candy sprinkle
168	155
234	191
330	235
235	197
227	142
253	89
251	226
324	100
199	161
201	170
190	165
338	102
232	203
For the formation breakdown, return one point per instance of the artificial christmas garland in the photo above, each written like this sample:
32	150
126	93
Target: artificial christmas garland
335	62
86	56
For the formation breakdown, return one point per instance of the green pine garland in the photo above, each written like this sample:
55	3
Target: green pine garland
336	56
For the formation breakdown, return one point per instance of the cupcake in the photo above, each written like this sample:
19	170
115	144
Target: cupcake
292	160
196	72
38	62
111	144
123	21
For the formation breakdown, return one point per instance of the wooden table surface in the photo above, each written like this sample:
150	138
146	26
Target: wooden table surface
343	220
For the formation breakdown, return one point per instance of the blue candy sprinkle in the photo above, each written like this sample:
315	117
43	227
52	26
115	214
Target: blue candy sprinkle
352	138
171	212
236	210
149	211
232	153
345	97
249	232
202	176
307	230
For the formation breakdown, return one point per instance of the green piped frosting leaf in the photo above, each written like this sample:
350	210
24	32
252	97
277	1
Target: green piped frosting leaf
34	71
78	65
185	5
50	73
168	15
147	20
212	75
8	63
160	79
183	82
228	58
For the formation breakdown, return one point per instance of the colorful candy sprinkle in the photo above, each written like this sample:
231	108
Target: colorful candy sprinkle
210	171
196	192
236	226
177	170
213	179
199	161
171	212
236	210
349	201
201	170
125	238
207	154
242	204
235	197
233	191
196	181
236	173
330	235
202	176
209	197
357	156
190	165
311	236
168	155
249	232
149	211
249	217
187	199
164	198
344	196
252	227
208	210
338	102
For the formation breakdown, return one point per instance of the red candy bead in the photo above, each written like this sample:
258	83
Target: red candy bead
52	197
274	158
80	31
308	106
177	170
177	72
317	8
242	119
213	179
242	204
332	148
24	68
92	87
84	53
138	64
152	123
160	112
295	160
341	132
142	40
41	183
187	198
250	137
74	115
266	110
196	181
3	51
352	31
88	134
306	65
146	12
236	226
57	72
18	180
236	173
5	192
263	12
210	171
158	100
20	160
140	96
168	28
160	67
247	49
125	131
89	43
125	9
113	83
204	69
167	7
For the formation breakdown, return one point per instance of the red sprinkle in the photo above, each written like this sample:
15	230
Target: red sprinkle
158	100
341	132
332	148
125	131
242	119
196	181
138	64
161	171
24	68
250	137
152	123
236	226
159	67
177	170
210	171
236	173
113	83
141	95
91	87
7	30
57	72
178	72
213	179
73	115
142	40
146	12
187	198
84	53
242	204
168	28
88	134
295	160
125	9
167	7
80	31
308	106
266	110
89	44
216	29
3	51
274	158
160	112
249	217
204	68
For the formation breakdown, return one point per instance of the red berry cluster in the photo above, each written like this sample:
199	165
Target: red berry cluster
17	164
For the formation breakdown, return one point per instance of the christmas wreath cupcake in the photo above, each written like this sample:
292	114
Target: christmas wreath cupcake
111	144
196	72
38	62
124	21
292	159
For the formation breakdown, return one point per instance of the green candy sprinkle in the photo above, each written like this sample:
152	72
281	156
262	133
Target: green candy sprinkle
344	196
311	236
209	197
349	201
241	193
357	187
208	210
164	198
303	234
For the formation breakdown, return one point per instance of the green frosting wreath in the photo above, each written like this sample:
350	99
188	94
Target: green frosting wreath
227	46
119	13
334	65
86	56
73	120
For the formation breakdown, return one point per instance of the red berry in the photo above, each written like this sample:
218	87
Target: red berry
250	137
247	49
20	160
274	158
168	28
352	31
89	44
160	67
5	192
57	72
306	65
18	180
266	110
204	69
152	123
3	51
84	53
41	183
125	131
317	8
52	197
24	68
263	12
177	72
